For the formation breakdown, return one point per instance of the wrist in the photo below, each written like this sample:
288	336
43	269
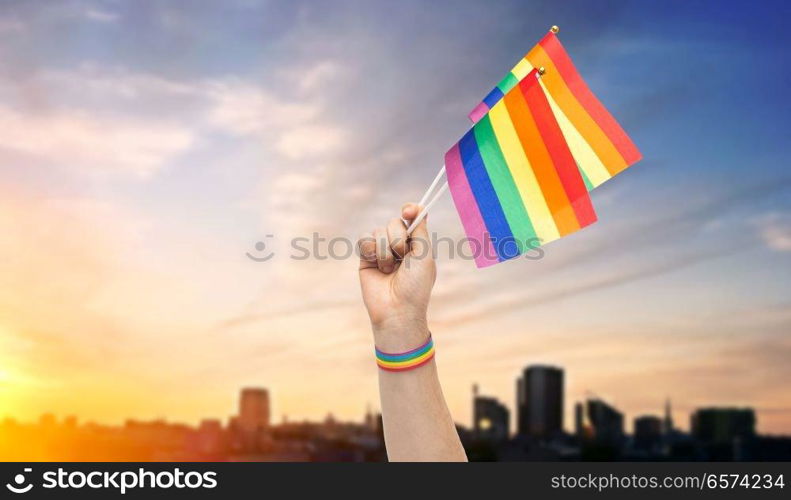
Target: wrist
400	334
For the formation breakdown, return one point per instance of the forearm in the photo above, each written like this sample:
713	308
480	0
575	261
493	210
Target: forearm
417	423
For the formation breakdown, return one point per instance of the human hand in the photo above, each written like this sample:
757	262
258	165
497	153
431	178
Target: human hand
396	276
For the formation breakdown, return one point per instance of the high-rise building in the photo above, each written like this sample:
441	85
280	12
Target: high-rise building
539	401
668	422
581	427
490	418
253	410
606	422
723	425
647	432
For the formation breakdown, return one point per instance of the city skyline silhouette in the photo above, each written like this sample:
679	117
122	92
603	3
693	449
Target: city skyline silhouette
721	433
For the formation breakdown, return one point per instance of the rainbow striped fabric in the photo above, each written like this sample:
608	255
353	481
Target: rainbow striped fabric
513	178
597	142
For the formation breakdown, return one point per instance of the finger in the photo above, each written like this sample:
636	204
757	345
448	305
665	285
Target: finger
384	256
409	211
366	245
419	242
396	233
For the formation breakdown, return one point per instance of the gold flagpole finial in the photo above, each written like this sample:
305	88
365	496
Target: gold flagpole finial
541	70
554	29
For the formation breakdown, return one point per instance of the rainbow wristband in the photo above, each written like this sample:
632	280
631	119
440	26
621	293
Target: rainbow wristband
406	360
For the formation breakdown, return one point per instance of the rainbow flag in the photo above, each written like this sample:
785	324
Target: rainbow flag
513	178
598	143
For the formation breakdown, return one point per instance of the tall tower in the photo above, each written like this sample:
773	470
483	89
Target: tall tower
668	421
540	401
253	410
370	421
474	407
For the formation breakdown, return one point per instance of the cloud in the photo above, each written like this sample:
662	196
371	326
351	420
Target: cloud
302	308
641	237
111	119
105	119
112	83
316	76
91	143
244	109
666	228
522	301
775	231
296	129
311	141
100	16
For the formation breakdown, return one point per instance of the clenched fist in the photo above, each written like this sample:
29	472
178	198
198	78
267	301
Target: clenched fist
397	273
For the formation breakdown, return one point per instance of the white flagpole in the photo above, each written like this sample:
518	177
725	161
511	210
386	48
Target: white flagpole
423	201
433	185
424	212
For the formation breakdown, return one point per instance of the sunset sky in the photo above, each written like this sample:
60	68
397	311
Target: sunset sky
145	147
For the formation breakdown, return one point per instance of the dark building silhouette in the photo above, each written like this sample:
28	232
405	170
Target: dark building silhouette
251	426
539	401
253	410
647	432
722	425
606	422
490	418
667	423
579	420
